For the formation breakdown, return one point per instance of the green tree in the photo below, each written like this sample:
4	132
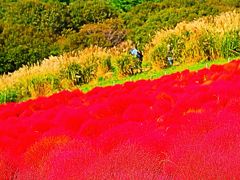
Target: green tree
84	12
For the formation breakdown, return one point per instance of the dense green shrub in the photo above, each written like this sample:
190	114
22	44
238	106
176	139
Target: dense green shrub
235	3
208	44
105	65
146	18
8	95
41	86
81	73
23	45
34	87
126	5
84	12
208	39
178	46
231	44
33	30
128	65
158	57
107	34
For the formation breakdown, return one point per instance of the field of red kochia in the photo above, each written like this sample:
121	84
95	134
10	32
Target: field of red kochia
182	126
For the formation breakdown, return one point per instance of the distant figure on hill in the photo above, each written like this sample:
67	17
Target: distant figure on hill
170	54
138	54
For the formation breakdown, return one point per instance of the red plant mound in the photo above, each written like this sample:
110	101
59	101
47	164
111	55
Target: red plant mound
182	126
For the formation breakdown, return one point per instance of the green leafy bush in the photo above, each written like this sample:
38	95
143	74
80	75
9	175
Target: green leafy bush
208	46
146	18
81	73
105	65
158	58
84	12
41	86
231	45
23	45
8	95
205	39
107	34
128	65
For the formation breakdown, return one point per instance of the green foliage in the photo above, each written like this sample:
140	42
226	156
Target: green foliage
8	95
73	72
105	65
57	1
178	46
231	44
203	40
31	30
41	86
235	3
84	12
37	86
145	19
22	45
128	65
159	56
81	73
52	18
208	45
107	34
126	5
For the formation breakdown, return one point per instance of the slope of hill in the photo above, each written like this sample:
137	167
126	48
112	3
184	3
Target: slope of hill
183	126
203	40
31	30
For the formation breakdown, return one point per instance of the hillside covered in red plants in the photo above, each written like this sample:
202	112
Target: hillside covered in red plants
182	126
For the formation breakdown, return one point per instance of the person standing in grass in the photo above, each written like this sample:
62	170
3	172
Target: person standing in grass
138	54
170	54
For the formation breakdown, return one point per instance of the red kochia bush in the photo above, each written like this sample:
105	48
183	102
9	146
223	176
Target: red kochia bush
181	126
